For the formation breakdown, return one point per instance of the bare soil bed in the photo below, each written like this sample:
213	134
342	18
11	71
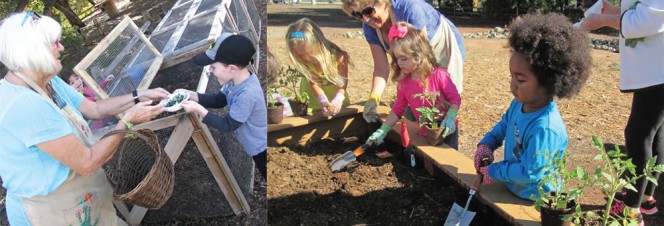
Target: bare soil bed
372	191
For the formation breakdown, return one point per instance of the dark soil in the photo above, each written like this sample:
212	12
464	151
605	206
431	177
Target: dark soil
304	191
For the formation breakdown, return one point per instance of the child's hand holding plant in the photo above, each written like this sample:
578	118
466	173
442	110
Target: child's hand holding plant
449	123
192	106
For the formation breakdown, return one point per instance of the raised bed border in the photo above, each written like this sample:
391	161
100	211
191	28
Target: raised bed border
436	160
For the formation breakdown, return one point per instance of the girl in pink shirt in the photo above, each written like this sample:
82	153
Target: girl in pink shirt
76	82
415	71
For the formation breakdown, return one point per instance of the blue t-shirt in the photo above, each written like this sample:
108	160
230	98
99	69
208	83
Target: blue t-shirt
246	105
421	15
537	132
28	119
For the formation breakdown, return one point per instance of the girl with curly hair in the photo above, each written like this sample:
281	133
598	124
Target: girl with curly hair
416	71
549	58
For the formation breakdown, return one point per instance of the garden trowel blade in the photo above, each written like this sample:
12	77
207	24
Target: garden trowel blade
343	160
457	217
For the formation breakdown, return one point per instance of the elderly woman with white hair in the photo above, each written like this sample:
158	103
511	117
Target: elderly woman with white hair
50	167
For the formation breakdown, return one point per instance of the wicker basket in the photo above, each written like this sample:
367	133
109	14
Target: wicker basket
140	176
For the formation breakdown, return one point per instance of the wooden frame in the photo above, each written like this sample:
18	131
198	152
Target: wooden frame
188	126
80	68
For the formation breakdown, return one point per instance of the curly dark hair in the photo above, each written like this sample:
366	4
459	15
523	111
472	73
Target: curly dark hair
558	53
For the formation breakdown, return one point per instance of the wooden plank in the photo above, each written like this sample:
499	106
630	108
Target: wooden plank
122	208
300	130
460	168
136	215
162	122
185	54
218	166
203	80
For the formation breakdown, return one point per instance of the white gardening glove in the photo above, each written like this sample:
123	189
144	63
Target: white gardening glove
336	103
324	104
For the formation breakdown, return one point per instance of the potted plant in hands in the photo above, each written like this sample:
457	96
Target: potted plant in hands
289	79
275	109
557	208
428	116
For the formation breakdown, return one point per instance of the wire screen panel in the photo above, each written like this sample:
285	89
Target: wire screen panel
197	29
243	19
207	5
160	40
124	61
177	14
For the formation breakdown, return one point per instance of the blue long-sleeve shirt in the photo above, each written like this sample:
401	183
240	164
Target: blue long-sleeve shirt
528	137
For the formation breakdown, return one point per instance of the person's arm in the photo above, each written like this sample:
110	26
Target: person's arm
400	102
449	90
342	67
86	161
118	104
217	100
496	136
644	19
533	160
381	69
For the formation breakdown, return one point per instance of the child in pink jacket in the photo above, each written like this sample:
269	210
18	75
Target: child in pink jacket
415	70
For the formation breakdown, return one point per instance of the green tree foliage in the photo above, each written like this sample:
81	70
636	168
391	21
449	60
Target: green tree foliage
505	9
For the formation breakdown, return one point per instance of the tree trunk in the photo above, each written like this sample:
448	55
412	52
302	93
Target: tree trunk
71	16
21	5
110	8
48	7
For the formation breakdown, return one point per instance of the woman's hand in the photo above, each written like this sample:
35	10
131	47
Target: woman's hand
192	106
143	112
156	94
193	96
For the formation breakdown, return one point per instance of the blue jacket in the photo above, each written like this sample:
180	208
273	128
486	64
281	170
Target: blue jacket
537	133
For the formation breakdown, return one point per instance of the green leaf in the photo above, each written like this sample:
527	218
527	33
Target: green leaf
608	177
597	143
598	157
614	223
630	186
567	217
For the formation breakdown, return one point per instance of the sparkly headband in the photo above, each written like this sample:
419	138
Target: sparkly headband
296	34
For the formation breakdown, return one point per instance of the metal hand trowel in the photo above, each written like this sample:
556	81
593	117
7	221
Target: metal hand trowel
348	157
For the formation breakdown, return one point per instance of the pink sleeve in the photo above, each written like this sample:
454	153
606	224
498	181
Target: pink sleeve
448	88
103	84
88	93
399	106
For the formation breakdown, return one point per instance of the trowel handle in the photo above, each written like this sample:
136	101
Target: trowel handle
480	177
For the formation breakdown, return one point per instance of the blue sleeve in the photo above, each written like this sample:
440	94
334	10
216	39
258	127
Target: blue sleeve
370	35
496	136
64	89
217	100
35	120
225	123
531	167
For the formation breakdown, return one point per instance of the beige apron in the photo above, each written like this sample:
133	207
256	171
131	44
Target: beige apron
80	200
445	49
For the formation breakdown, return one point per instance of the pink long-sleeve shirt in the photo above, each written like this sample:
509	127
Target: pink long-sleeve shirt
440	81
88	93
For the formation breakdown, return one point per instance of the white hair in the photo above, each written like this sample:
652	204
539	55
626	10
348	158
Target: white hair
27	42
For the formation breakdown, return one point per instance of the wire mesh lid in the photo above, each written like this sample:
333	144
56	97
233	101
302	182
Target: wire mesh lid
140	171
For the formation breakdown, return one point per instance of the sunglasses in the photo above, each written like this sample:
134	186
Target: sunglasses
369	11
33	15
